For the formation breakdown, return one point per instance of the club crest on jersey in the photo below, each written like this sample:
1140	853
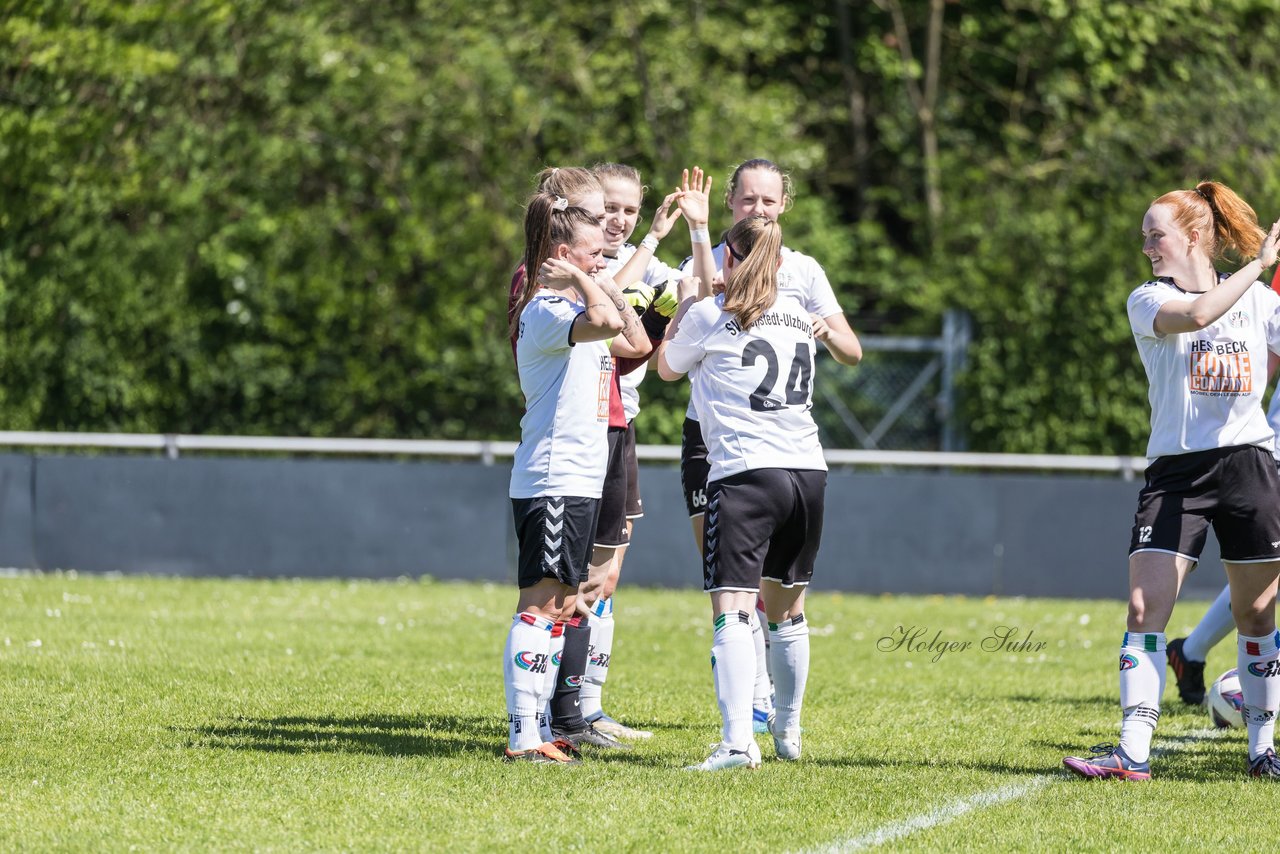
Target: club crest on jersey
1128	662
1238	319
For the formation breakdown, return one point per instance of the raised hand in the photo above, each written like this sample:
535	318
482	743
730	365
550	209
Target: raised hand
694	198
664	218
557	273
1267	254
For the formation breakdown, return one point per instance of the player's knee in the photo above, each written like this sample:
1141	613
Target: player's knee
1256	623
1137	615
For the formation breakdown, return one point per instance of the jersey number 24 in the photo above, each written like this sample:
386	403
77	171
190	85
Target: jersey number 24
799	378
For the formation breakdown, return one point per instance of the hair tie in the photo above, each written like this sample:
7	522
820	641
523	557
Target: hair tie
560	204
1202	194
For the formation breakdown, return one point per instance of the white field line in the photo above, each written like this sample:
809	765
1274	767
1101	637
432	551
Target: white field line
956	808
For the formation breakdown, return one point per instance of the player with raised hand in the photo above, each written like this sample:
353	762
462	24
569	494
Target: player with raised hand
570	644
562	325
749	354
1203	337
756	187
620	503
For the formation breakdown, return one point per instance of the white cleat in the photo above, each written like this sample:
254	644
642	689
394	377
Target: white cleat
609	726
723	758
786	744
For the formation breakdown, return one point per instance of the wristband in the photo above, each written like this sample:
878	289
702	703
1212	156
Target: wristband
650	242
699	235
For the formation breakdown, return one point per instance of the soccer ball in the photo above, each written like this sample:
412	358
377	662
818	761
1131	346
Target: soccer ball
1226	701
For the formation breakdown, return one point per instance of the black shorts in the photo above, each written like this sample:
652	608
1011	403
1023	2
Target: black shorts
611	527
554	534
763	523
1235	489
635	507
694	467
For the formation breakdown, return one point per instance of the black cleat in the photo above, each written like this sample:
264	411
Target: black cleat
588	735
1190	674
1266	766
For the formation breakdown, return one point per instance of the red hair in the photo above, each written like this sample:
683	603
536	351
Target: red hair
1223	218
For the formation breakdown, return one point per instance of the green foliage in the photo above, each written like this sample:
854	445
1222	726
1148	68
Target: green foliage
301	218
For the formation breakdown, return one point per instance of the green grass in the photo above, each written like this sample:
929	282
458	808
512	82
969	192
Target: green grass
299	715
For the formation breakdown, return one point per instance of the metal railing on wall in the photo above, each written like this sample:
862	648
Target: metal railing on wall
173	445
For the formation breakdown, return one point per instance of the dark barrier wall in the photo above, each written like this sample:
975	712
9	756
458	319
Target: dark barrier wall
884	532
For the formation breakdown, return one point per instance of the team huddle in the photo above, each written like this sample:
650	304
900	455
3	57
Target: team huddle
589	312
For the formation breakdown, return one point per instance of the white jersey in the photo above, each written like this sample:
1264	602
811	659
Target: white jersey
655	274
564	444
1207	386
799	276
752	388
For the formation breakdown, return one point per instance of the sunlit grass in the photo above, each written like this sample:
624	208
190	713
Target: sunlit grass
292	715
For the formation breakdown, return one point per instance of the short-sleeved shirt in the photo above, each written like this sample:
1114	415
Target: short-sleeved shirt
753	387
1206	387
655	273
799	276
564	432
617	415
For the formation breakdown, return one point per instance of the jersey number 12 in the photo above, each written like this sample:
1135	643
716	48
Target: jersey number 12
799	378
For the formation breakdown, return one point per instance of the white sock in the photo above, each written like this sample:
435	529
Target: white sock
789	652
1215	625
762	696
1258	665
524	665
598	655
733	666
555	646
1142	675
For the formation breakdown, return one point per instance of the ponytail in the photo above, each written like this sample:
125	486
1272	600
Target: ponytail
1223	218
1235	224
549	220
753	285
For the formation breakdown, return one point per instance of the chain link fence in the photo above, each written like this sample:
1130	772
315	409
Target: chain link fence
901	397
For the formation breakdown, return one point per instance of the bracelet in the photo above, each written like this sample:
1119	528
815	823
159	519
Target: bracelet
650	242
699	235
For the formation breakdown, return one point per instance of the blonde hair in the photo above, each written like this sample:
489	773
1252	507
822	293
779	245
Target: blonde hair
1225	219
619	172
546	225
752	287
572	182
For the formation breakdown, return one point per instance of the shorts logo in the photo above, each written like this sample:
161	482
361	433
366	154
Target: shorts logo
534	662
1276	544
573	681
600	660
555	660
1265	669
1128	662
552	526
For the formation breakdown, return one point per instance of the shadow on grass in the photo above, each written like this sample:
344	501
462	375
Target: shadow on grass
1168	708
384	735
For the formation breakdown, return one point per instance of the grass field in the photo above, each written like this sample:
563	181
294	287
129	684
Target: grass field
298	715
